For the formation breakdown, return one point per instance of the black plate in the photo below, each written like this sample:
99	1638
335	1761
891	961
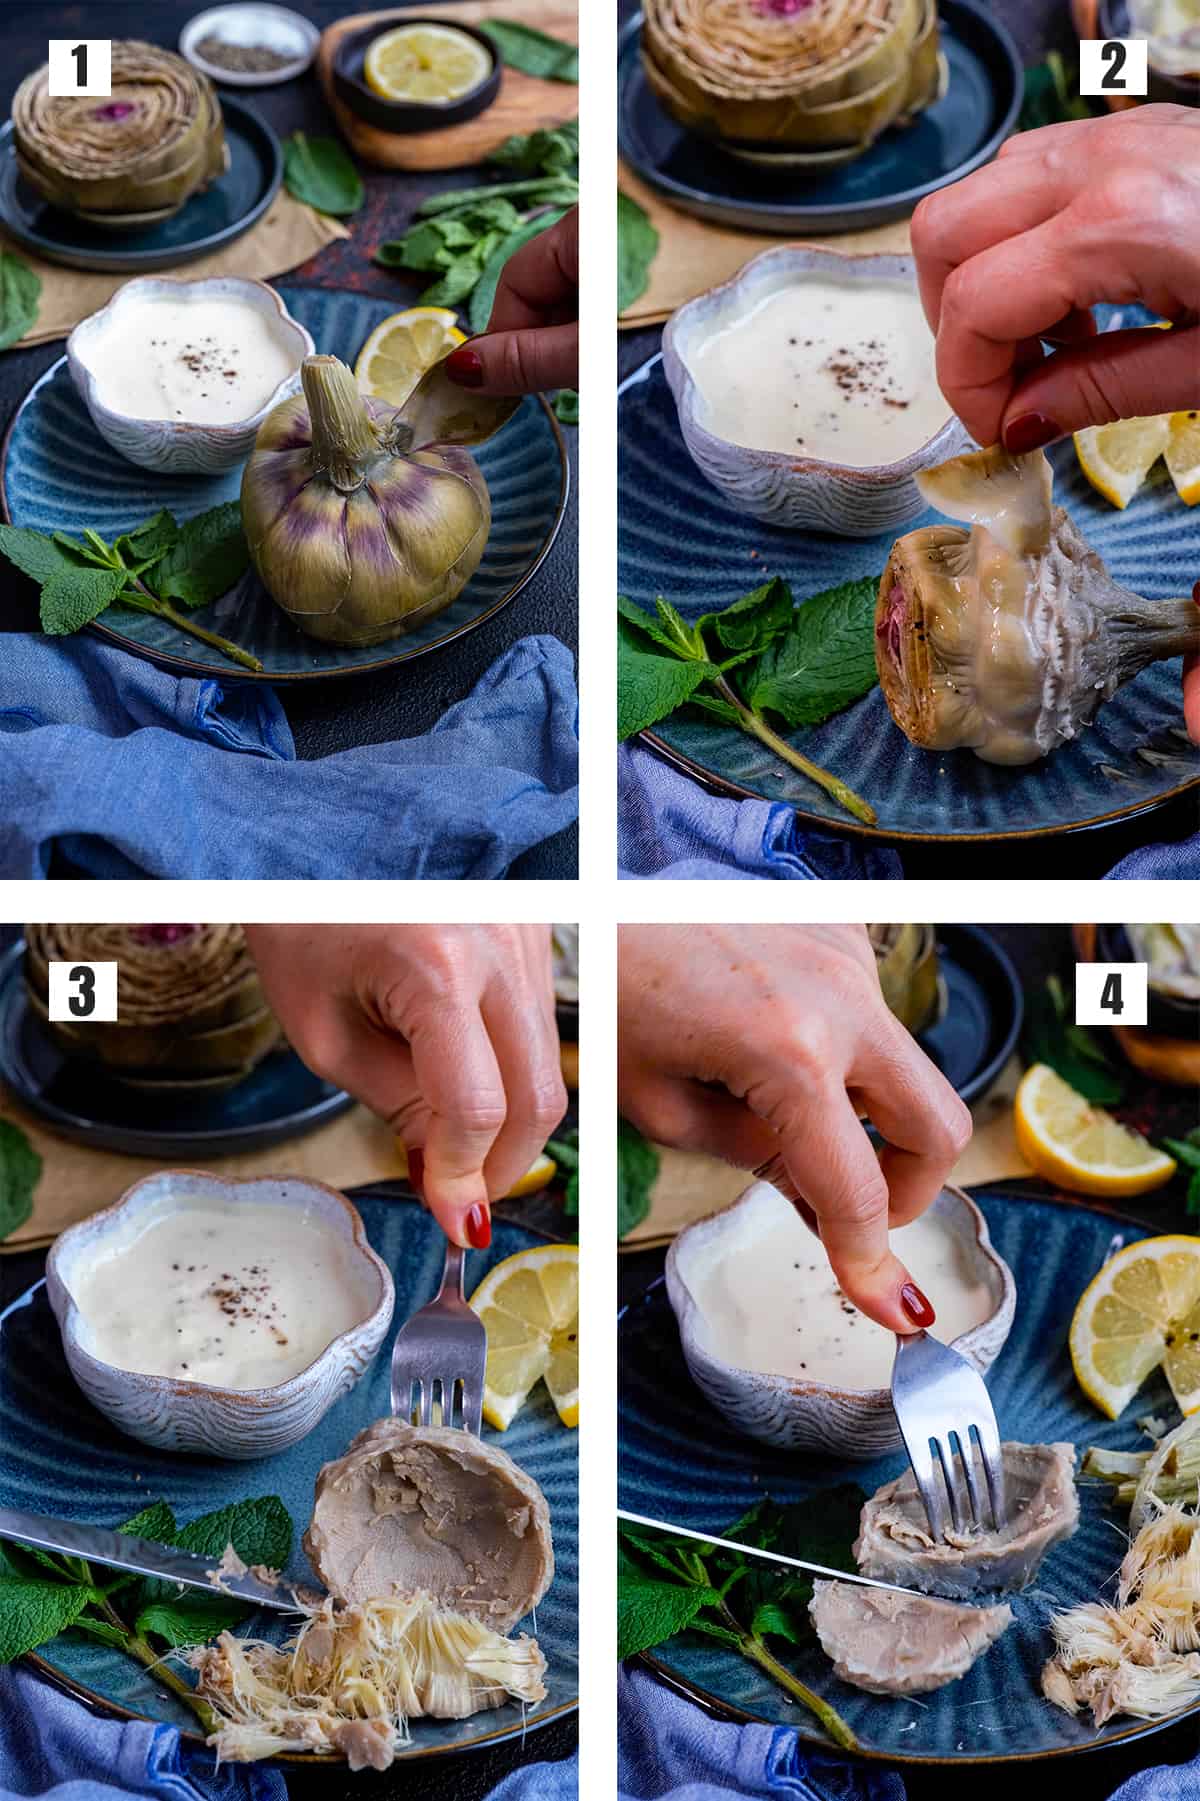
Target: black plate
226	208
279	1100
984	1010
958	133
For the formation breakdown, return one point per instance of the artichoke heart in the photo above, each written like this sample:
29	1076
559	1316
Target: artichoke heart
131	159
1005	634
364	519
821	75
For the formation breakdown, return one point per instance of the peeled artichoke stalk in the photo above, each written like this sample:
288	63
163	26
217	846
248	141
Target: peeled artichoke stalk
1006	637
365	519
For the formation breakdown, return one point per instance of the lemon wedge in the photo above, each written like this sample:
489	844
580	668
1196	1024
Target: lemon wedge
1079	1146
398	351
1140	1312
426	62
1117	458
530	1306
1183	456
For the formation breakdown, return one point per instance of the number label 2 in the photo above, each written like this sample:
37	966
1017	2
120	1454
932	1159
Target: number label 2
1113	68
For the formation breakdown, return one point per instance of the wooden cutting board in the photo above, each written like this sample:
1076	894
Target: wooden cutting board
523	104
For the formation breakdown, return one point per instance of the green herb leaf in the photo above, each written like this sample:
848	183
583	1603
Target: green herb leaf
1051	1037
1051	94
32	1612
20	290
532	52
142	547
1183	1152
637	1172
1192	1202
155	1521
103	1630
483	296
537	190
822	663
71	600
716	707
651	1610
650	685
40	557
637	246
319	172
20	1171
207	559
554	151
751	623
260	1531
192	1618
566	406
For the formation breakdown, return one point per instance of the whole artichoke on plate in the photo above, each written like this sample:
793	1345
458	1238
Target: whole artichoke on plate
819	76
190	1010
131	159
363	519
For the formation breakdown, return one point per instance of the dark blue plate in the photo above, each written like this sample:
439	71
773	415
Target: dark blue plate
59	1456
227	208
978	1031
280	1099
955	135
679	538
678	1461
52	439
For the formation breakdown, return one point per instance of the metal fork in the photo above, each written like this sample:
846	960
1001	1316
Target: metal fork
946	1420
439	1357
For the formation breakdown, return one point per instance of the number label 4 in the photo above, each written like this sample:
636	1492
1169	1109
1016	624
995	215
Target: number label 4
1110	994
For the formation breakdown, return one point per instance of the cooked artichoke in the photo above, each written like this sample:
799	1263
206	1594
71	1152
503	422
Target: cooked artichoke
826	77
364	519
129	160
1006	637
906	959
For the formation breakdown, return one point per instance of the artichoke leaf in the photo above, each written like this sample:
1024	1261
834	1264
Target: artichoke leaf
439	411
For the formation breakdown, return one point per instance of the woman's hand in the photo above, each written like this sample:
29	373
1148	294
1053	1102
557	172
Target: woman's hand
446	1032
532	339
752	1042
1093	210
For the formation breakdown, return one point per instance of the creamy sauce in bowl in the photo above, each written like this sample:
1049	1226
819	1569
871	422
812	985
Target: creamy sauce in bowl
233	1294
770	1301
206	362
833	370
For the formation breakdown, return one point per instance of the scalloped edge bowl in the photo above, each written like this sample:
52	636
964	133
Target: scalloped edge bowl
797	493
800	1415
195	1416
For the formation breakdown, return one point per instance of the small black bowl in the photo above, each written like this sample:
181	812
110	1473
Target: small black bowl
1168	1014
1183	89
350	86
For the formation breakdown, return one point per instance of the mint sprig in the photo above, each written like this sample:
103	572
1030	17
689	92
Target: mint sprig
761	654
637	1172
158	562
20	1173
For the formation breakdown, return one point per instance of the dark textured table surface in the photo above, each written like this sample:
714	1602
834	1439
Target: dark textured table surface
1037	952
325	716
1037	26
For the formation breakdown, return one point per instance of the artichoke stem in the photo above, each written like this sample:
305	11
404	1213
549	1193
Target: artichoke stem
343	435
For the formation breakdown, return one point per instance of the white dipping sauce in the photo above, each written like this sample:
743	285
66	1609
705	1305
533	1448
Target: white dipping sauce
770	1302
209	362
238	1295
827	369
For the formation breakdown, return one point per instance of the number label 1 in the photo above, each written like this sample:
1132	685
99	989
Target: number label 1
80	66
1110	994
1113	68
83	993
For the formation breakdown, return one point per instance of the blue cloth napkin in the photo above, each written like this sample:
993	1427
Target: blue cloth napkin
51	1745
1160	863
1166	1782
671	829
541	1782
133	772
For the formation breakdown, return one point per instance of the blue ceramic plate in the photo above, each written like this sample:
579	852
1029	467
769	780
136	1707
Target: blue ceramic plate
975	1036
678	1461
952	137
59	1456
59	475
281	1099
227	208
679	538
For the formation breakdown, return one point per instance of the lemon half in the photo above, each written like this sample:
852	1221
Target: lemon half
428	63
1183	455
1140	1312
530	1306
1081	1147
402	347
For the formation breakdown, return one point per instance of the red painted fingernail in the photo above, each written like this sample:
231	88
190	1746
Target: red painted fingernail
479	1229
465	366
915	1305
1029	431
416	1173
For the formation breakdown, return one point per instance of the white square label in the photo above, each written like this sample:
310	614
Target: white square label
1110	994
80	66
1113	66
83	992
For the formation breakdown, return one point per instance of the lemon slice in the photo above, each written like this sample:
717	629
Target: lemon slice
542	1170
429	63
1117	458
1082	1147
1140	1312
398	352
530	1306
1183	455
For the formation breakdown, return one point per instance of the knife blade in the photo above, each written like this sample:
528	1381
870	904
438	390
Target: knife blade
121	1551
795	1563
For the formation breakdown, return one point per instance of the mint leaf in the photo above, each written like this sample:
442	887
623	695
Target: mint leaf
260	1531
566	406
532	52
192	1618
823	662
31	1612
637	1172
483	296
637	246
20	291
107	1634
319	172
749	624
72	600
649	684
552	150
1051	1037
1183	1152
39	556
649	1610
144	545
155	1521
206	560
719	709
20	1172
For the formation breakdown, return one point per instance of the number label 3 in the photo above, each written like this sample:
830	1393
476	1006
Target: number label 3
83	993
1110	994
1113	68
